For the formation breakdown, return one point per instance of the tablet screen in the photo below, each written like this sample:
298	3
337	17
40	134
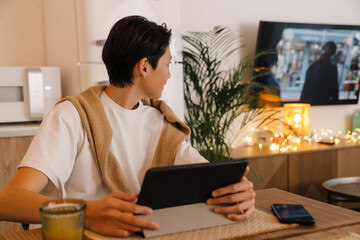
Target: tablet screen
188	184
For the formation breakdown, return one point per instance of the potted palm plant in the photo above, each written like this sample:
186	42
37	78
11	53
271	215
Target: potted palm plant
216	94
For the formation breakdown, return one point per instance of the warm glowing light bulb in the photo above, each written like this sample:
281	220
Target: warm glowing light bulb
297	118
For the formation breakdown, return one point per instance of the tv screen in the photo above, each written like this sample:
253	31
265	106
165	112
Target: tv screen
309	63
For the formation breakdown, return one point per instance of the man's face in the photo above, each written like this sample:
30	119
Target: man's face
156	79
328	50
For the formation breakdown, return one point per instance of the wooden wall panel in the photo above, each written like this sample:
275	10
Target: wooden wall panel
307	172
12	150
272	170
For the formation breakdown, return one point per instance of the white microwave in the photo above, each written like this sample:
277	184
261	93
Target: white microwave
28	93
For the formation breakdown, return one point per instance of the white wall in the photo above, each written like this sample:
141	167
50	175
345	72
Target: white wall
49	45
22	40
244	15
61	34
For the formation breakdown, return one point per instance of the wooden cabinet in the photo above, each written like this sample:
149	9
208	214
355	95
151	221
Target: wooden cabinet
302	171
307	172
348	164
273	171
12	150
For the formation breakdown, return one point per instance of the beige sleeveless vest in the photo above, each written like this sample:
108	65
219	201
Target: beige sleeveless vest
99	133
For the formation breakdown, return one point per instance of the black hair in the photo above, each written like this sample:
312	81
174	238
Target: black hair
131	39
332	46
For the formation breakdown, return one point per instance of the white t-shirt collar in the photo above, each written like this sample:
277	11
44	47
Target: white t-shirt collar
123	111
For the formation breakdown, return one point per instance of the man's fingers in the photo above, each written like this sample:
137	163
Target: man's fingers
116	215
118	232
140	222
126	206
233	188
131	222
114	227
127	217
246	171
240	217
236	208
135	209
233	198
127	227
124	196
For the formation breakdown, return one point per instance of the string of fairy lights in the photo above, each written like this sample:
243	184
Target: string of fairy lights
280	142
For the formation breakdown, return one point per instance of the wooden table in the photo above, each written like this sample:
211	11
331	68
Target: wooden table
330	220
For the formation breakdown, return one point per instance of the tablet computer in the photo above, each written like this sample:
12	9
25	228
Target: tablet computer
188	184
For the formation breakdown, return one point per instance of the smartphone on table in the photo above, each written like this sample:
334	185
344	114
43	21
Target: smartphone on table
292	213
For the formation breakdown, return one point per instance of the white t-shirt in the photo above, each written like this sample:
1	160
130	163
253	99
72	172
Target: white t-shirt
62	152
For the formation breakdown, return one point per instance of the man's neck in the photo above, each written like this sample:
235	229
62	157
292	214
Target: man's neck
127	97
325	57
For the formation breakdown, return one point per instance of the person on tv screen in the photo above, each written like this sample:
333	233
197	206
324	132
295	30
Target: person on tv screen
98	144
321	82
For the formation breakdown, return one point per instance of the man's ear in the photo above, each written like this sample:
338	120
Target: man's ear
143	66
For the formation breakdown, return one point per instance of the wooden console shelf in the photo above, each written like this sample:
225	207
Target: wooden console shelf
302	171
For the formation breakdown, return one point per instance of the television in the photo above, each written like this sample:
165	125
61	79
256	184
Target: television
309	63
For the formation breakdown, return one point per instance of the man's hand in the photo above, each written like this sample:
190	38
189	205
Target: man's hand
114	215
241	195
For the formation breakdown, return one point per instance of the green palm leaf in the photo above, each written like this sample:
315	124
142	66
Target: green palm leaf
215	95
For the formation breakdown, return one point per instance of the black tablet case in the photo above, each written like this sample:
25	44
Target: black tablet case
188	184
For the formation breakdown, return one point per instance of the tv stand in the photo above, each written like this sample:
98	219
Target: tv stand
302	171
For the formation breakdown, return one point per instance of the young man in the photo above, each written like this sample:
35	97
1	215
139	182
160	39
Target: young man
98	145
